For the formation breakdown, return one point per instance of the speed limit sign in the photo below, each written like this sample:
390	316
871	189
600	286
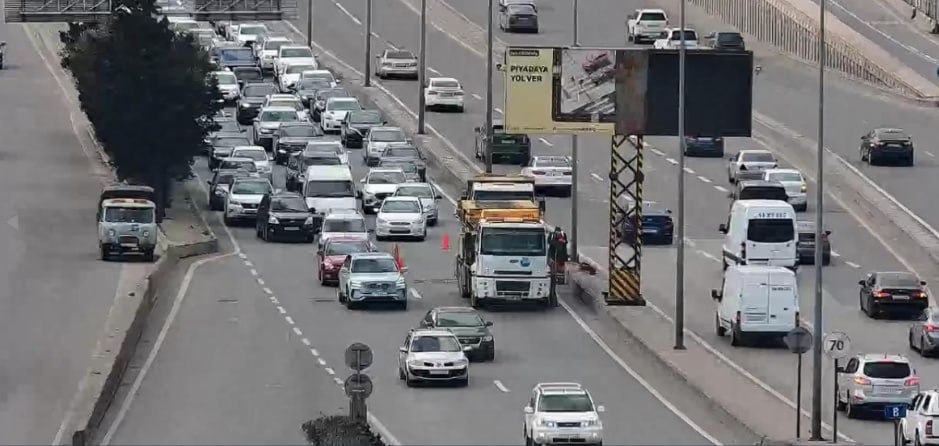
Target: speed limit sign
837	345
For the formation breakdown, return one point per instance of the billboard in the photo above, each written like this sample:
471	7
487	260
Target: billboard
538	100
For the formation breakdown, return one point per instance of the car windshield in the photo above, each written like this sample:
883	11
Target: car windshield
424	344
226	78
415	191
245	165
784	177
379	265
251	188
298	131
343	105
459	319
729	38
406	167
355	225
288	204
251	30
502	195
340	248
899	280
250	74
115	214
330	189
366	117
552	163
298	69
260	90
401	152
446	84
387	135
274	45
565	403
652	16
256	155
296	105
770	230
318	75
226	179
279	116
321	160
513	242
312	84
520	9
887	370
689	35
230	141
386	178
236	55
400	207
297	52
400	55
758	157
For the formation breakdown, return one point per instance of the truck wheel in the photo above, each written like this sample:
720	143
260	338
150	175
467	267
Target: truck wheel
148	255
721	331
474	302
735	336
105	252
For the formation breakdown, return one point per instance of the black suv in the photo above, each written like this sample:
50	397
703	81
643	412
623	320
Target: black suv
220	184
725	40
285	215
356	125
291	137
252	96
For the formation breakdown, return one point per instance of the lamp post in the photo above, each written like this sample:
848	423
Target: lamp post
422	73
489	64
816	433
368	43
680	262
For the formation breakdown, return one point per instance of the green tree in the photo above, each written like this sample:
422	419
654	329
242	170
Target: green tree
146	92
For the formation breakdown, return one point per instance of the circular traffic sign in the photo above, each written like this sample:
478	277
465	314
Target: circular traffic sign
799	340
358	356
837	345
358	384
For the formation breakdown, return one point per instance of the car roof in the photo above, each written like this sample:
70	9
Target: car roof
383	169
386	127
431	332
651	10
373	255
277	39
757	151
443	79
758	183
244	148
415	185
342	99
252	179
783	171
874	357
294	47
237	159
560	388
297	124
400	198
283	96
285	194
455	310
537	158
277	108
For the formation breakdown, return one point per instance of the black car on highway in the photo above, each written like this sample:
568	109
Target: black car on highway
883	145
252	97
658	228
285	215
518	17
246	75
356	125
223	144
704	146
725	40
291	137
885	292
805	246
395	152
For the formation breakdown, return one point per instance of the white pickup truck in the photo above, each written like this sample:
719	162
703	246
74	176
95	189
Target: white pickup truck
645	25
920	426
671	39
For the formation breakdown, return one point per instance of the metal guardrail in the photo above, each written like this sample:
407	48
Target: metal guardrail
20	11
928	7
778	23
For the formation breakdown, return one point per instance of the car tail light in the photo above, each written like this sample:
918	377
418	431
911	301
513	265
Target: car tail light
929	428
914	381
921	294
538	172
862	380
432	92
881	294
458	93
932	328
568	173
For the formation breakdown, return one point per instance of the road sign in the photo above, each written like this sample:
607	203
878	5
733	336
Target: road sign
358	356
837	345
358	384
799	340
895	412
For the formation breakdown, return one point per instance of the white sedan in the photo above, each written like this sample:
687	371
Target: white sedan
794	182
443	92
401	217
550	173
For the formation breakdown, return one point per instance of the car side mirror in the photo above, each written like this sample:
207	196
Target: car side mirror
840	369
722	228
405	269
861	282
529	410
403	349
716	295
542	206
358	194
478	129
437	197
922	283
601	409
489	323
362	180
730	158
827	232
209	182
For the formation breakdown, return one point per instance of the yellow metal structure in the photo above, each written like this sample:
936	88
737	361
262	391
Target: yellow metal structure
626	180
470	211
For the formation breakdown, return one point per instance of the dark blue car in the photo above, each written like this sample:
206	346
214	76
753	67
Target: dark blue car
704	146
657	225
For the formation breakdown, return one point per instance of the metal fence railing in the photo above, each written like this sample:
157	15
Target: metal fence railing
778	23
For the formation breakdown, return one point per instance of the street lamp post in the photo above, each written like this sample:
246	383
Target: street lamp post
368	43
680	267
575	142
422	73
489	64
816	433
309	25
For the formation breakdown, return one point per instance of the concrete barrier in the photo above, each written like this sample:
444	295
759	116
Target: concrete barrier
793	26
928	10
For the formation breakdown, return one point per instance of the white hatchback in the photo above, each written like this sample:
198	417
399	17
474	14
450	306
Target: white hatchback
401	217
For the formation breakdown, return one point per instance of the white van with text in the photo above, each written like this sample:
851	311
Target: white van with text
756	301
760	232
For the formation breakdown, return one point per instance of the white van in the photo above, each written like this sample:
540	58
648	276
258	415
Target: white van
760	232
329	187
756	301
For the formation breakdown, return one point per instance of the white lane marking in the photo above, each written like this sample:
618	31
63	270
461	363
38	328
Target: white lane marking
688	170
415	294
274	300
305	341
597	177
546	142
260	281
375	35
835	254
657	152
852	264
671	160
242	255
707	255
477	97
704	179
498	110
297	332
501	386
929	153
254	272
338	381
910	48
314	352
268	290
329	370
281	310
433	71
722	189
248	263
289	320
690	242
347	13
321	362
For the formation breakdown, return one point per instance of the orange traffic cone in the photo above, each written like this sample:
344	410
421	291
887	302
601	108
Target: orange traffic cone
445	243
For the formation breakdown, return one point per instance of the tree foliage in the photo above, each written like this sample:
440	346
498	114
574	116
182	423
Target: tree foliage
146	92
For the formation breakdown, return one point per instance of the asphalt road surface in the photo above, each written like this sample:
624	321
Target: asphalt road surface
784	91
54	291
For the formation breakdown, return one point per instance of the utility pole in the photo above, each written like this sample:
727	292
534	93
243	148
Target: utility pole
489	64
575	142
422	74
816	433
368	43
680	267
309	25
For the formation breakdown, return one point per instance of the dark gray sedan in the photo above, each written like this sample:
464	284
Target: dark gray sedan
924	334
805	247
468	326
519	17
704	146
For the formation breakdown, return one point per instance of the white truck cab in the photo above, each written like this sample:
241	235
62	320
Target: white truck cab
756	301
511	261
328	187
645	25
670	39
760	232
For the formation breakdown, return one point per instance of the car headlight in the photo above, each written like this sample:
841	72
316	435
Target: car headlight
355	284
243	104
487	338
400	283
112	233
272	220
805	187
591	423
381	221
234	203
308	221
267	131
146	234
415	363
547	423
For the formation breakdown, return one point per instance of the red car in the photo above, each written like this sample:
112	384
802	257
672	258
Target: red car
596	61
334	252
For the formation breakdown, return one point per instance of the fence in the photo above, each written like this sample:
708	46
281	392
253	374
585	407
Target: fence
778	23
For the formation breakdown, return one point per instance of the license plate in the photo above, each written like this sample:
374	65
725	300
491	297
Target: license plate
251	211
554	174
438	372
901	297
291	228
512	297
649	231
128	245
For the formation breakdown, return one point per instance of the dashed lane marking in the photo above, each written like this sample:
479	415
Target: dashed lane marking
929	153
433	71
501	386
274	300
671	160
546	142
597	177
707	255
314	352
321	361
416	294
477	97
852	264
329	370
248	263
268	290
688	170
281	310
722	189
704	179
690	242
297	331
498	110
338	381
260	281
242	255
347	13
305	341
657	152
289	320
254	272
835	254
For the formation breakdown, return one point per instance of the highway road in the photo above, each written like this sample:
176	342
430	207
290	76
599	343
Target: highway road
784	92
54	292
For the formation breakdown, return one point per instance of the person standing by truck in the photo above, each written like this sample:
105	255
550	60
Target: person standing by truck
557	241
